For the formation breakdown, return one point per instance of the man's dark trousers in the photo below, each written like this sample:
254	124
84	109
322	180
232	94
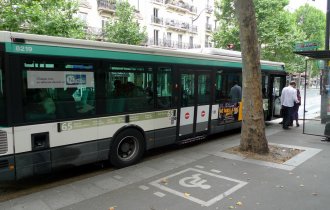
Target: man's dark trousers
286	111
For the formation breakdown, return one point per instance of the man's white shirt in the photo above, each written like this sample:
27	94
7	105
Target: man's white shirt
289	96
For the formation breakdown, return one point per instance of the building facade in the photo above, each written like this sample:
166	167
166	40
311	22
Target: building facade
169	23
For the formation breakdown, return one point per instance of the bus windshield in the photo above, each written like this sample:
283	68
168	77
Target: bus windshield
2	95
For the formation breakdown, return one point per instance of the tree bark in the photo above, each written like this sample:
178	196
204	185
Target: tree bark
253	136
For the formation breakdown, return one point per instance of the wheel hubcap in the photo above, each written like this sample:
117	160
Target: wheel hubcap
127	148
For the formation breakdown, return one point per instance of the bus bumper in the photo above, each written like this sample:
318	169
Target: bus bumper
7	168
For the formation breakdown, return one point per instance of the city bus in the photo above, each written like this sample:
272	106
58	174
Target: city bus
67	102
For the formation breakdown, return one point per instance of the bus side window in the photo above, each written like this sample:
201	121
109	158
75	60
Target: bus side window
164	88
40	105
129	89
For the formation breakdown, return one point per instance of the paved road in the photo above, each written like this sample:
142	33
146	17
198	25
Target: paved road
312	104
201	176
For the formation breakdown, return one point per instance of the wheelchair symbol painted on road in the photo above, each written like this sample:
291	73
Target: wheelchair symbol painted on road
197	182
194	181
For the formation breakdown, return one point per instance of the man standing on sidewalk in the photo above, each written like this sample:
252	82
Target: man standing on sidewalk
288	97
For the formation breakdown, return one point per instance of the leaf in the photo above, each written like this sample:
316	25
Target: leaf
239	203
164	181
186	194
112	208
231	207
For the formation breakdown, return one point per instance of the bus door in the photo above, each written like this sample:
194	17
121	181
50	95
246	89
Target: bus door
195	91
277	85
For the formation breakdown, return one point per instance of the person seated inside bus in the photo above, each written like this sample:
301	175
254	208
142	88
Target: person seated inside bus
86	101
136	98
66	105
116	97
41	107
118	89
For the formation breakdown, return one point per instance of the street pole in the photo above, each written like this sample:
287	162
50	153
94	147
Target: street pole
327	26
325	71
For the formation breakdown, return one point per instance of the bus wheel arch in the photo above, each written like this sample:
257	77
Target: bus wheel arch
127	147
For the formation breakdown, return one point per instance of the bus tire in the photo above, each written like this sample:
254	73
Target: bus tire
127	148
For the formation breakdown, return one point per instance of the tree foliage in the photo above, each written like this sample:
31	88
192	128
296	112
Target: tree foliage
123	28
312	22
277	31
47	17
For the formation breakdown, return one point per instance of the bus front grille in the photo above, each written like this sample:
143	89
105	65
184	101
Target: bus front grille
3	142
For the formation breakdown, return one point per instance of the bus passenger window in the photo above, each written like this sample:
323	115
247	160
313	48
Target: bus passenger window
129	89
57	91
40	105
164	88
219	87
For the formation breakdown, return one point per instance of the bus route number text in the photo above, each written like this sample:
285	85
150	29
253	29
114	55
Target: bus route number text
21	48
67	126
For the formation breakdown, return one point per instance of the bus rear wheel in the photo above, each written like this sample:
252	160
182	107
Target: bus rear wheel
127	148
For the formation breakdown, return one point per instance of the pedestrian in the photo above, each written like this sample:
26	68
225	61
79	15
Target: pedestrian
235	93
288	97
295	110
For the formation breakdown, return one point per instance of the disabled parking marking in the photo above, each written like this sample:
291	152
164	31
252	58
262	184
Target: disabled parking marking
159	194
194	181
215	171
142	187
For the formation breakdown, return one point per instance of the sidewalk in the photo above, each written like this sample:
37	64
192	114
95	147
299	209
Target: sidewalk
200	176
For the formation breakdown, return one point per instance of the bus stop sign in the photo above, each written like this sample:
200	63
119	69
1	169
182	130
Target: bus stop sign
306	46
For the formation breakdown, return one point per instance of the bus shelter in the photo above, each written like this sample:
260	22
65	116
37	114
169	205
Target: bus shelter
316	99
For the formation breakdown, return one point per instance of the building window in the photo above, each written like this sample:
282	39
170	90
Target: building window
104	23
168	39
155	12
207	41
191	42
180	41
156	37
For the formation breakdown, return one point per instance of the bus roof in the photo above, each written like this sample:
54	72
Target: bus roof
21	43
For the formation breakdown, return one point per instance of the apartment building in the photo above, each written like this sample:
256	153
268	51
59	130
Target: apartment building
169	23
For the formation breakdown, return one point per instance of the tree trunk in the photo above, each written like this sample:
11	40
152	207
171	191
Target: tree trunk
253	136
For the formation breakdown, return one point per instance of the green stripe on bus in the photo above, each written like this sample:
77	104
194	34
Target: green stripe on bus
92	53
80	124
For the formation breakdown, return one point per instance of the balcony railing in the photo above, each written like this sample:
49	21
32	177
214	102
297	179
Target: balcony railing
182	6
208	44
106	6
180	25
157	20
158	1
209	9
171	44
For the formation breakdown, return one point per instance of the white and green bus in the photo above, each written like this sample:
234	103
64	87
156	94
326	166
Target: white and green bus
68	102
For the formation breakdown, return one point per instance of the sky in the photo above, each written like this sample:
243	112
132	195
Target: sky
320	4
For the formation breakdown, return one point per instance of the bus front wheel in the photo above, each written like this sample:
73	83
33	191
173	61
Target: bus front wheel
127	148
